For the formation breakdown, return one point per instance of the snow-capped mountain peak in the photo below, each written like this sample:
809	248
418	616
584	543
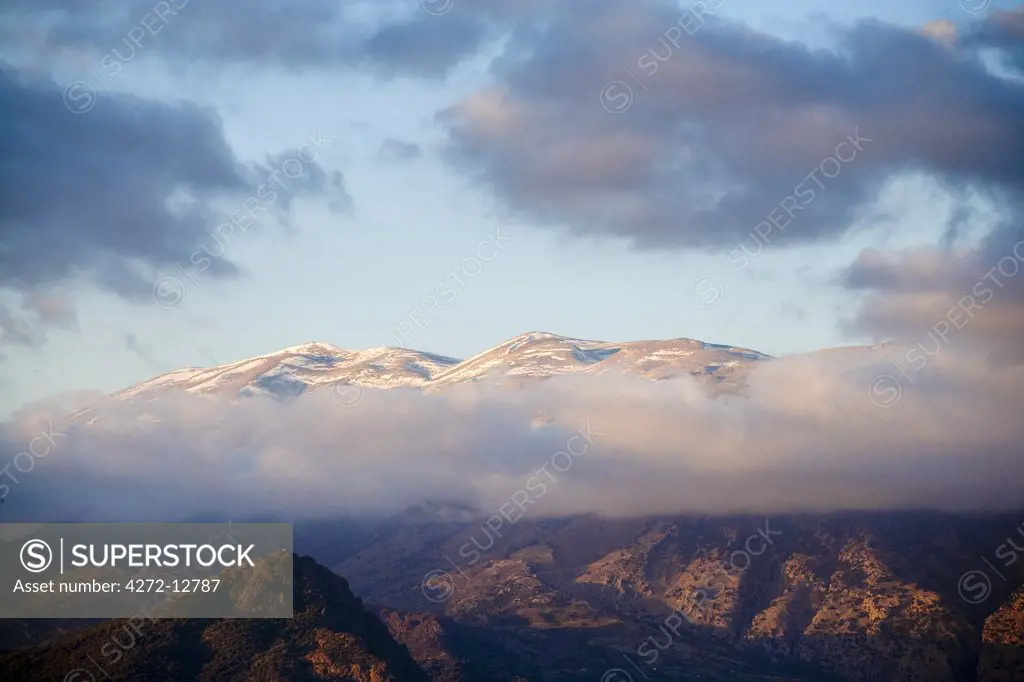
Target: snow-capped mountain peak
287	373
290	372
542	354
312	348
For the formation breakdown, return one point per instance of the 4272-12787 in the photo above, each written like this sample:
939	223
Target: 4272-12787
180	585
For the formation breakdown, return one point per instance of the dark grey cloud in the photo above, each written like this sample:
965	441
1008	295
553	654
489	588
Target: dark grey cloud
110	195
296	173
85	194
727	130
426	45
720	131
390	37
393	149
1004	28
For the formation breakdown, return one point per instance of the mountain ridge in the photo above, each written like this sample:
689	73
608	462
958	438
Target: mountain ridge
287	373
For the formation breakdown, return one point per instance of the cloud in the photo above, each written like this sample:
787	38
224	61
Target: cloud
1004	28
388	37
424	45
53	308
312	179
942	30
16	331
957	293
807	435
727	129
933	298
720	129
395	150
614	120
28	322
144	352
87	194
111	195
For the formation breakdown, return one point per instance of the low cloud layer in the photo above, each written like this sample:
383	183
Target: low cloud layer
834	430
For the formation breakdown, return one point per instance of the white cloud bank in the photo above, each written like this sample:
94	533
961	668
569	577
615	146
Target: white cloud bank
818	432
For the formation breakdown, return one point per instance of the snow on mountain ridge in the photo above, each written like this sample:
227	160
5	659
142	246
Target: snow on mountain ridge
541	354
290	372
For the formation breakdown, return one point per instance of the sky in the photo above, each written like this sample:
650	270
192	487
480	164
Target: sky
597	169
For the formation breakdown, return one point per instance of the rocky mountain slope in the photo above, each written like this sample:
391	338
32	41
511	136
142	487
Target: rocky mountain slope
842	597
853	597
1002	649
331	637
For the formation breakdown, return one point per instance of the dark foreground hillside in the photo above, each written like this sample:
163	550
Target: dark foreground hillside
331	637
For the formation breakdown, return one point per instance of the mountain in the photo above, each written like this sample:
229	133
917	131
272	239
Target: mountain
876	596
290	372
20	634
1002	651
331	637
540	354
847	597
